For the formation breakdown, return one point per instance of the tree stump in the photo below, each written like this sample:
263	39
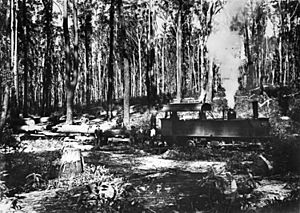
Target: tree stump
71	163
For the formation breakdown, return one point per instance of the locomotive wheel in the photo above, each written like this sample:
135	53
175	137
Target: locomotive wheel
168	140
182	141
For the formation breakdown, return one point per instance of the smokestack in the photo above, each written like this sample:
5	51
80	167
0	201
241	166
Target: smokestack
231	114
255	109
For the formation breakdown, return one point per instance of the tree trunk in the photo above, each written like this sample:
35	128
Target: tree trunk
140	66
250	74
4	108
46	102
100	85
179	56
71	163
87	40
150	51
126	119
157	70
111	61
194	82
280	61
72	77
133	81
14	49
163	65
25	48
4	103
209	85
202	73
124	66
69	92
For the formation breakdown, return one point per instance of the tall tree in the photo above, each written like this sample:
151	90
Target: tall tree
47	77
68	63
179	53
150	55
111	60
25	61
14	55
71	76
124	65
5	67
87	44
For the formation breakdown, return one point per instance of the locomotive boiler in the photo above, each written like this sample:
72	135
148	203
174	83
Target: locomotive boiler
229	127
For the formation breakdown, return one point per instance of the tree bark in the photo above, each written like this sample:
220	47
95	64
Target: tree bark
72	77
280	61
14	49
4	108
209	85
150	59
140	66
250	74
179	56
69	93
47	77
126	118
202	73
25	49
111	61
163	65
87	40
124	66
4	103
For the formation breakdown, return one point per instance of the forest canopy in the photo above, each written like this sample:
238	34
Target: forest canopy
60	53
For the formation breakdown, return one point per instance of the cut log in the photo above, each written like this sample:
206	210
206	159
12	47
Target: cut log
29	121
44	119
71	163
30	128
261	166
67	128
84	128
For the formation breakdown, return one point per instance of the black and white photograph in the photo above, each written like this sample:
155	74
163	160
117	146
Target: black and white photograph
150	106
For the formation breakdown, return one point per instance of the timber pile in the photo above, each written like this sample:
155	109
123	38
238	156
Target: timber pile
45	127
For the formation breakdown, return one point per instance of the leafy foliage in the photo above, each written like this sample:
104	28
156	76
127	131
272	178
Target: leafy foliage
100	191
34	182
30	171
225	193
8	141
3	187
285	155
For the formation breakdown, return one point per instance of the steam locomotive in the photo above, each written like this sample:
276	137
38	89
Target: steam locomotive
175	130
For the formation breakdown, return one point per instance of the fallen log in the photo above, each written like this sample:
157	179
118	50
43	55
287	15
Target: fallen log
70	128
30	128
29	121
44	119
83	128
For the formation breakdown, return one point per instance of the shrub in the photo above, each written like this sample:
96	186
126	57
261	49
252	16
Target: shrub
9	142
294	110
3	187
285	155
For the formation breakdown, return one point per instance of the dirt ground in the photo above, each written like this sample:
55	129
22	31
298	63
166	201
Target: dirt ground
162	185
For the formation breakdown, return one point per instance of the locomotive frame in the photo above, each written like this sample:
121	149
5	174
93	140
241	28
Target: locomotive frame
174	130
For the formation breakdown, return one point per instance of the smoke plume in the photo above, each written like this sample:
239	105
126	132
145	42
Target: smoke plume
224	46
